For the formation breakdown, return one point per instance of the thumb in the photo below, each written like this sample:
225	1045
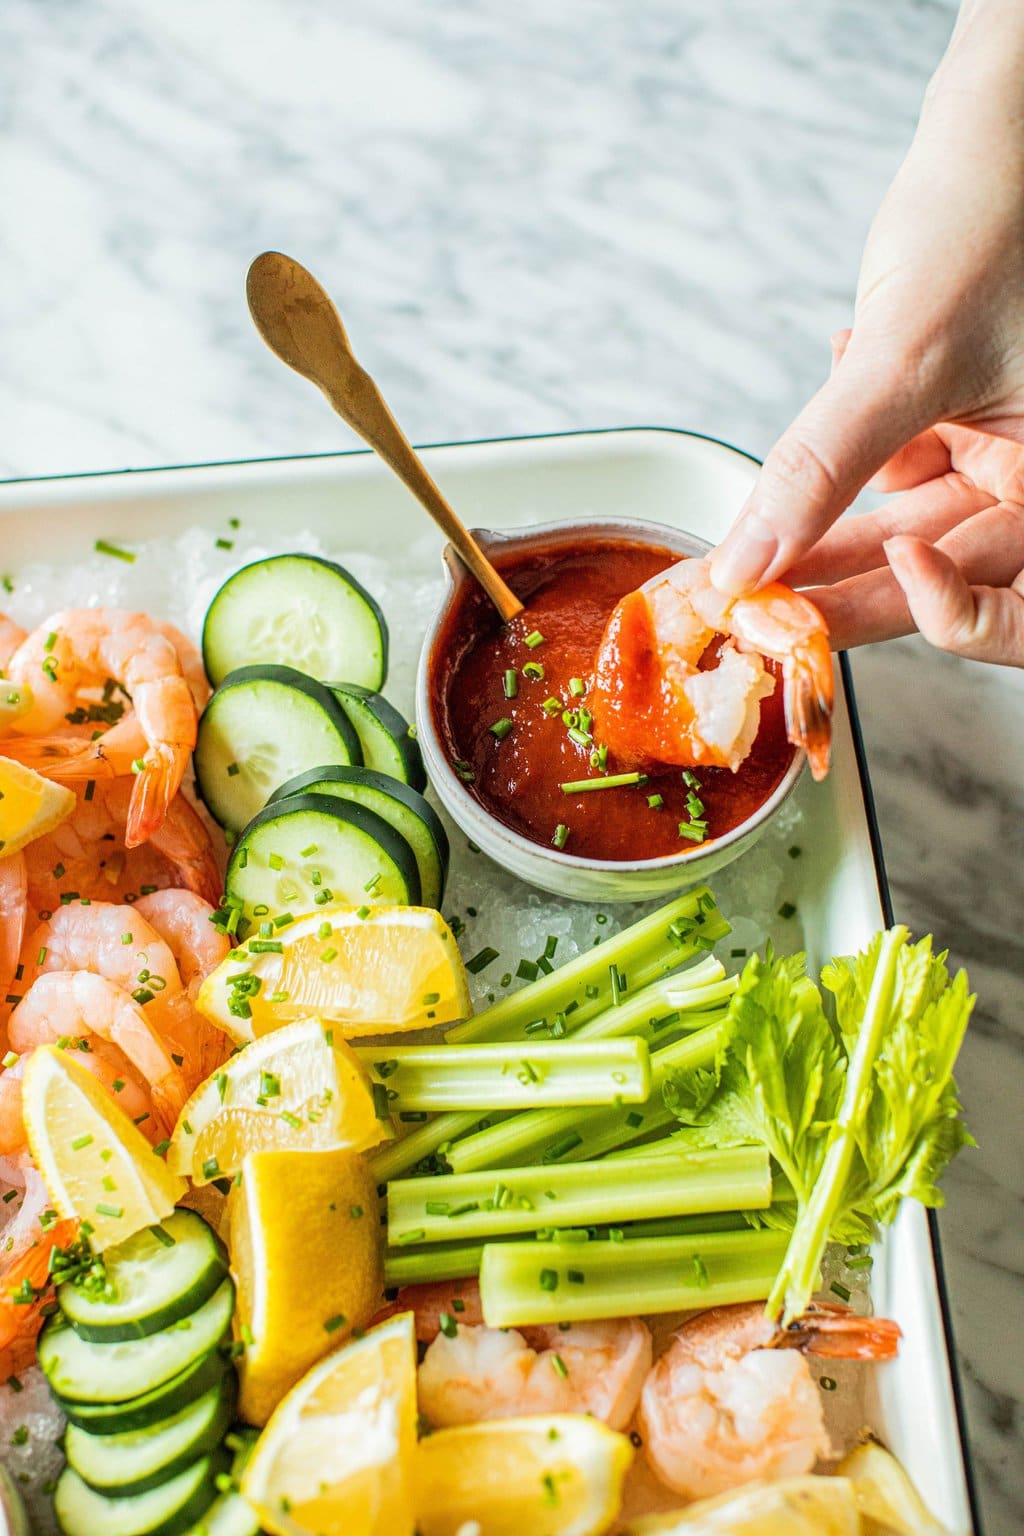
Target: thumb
841	438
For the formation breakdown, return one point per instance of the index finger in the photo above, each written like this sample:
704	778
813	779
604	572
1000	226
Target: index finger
852	426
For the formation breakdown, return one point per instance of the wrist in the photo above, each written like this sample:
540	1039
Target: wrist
985	52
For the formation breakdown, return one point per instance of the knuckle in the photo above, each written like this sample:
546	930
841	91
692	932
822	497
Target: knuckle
795	462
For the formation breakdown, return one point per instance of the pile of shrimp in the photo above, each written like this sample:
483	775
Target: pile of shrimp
105	922
730	1400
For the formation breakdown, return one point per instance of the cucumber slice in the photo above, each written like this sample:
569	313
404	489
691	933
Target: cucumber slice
383	734
151	1407
301	611
406	810
169	1510
153	1279
262	725
113	1373
139	1459
231	1514
313	850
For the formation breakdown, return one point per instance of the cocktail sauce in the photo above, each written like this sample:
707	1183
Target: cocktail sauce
570	592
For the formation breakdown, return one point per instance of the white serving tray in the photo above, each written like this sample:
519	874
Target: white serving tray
353	503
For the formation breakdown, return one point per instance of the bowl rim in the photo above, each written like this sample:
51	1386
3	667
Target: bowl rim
437	761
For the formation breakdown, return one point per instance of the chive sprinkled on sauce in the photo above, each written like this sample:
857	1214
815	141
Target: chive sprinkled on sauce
533	639
612	781
501	728
511	683
561	835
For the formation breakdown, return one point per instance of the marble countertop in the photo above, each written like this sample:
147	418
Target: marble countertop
535	218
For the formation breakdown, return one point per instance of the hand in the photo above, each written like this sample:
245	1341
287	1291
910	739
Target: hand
928	395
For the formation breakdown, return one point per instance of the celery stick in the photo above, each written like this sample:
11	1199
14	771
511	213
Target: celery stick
425	1263
798	1277
650	948
664	1009
565	1135
452	1206
393	1158
503	1076
529	1282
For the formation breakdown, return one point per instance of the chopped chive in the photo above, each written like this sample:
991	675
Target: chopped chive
463	770
291	1120
827	1383
233	770
362	913
501	728
81	1142
787	909
693	833
560	1367
795	851
224	543
534	639
481	960
577	687
655	802
527	970
511	683
102	1208
549	1279
448	1326
211	1168
561	836
334	1323
161	1148
613	781
840	1290
534	672
104	547
552	706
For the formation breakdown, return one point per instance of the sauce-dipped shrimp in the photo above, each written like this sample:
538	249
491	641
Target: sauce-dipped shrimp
471	1372
182	920
80	649
654	701
733	1399
76	1004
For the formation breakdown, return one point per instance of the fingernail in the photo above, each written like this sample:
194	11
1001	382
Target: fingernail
895	551
738	564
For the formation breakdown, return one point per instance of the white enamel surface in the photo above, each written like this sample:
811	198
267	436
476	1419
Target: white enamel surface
352	503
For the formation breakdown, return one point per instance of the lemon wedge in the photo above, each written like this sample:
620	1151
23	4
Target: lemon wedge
336	1458
306	1254
97	1165
29	804
560	1474
298	1087
793	1506
366	970
885	1493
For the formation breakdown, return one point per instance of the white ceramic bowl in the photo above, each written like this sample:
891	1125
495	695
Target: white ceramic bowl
561	872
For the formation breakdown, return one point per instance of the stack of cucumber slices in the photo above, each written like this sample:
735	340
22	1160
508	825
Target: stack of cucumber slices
138	1356
317	783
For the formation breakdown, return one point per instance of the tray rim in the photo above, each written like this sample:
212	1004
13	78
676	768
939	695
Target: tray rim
860	754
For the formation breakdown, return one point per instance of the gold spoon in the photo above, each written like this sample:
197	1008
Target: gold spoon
297	320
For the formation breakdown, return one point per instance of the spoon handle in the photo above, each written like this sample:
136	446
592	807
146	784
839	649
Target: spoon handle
313	341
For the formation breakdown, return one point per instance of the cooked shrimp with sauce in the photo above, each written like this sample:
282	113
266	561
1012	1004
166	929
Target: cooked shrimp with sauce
656	700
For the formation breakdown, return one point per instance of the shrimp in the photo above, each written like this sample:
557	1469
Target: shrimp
654	701
81	648
27	1244
731	1399
471	1372
107	1064
182	920
13	909
14	701
73	1004
87	853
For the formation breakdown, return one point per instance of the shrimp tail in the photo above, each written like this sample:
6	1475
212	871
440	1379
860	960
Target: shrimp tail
23	1319
809	695
156	784
836	1333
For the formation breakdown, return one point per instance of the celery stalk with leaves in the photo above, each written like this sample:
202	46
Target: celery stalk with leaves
859	1112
